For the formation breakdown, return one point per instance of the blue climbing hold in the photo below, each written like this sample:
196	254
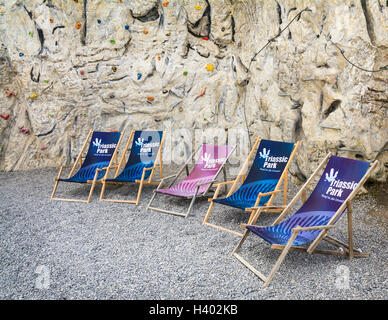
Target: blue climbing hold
21	54
126	27
112	96
138	76
98	21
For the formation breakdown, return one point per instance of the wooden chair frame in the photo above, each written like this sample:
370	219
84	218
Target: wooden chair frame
344	248
193	198
73	168
255	210
141	182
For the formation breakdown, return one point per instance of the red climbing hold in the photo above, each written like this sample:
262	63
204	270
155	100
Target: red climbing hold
8	92
82	72
4	116
24	130
205	38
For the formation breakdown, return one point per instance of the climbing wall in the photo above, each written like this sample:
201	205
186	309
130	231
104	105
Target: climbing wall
291	70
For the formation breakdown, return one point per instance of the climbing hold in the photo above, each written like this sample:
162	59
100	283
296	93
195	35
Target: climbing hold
45	81
51	115
82	72
98	21
202	93
33	96
159	58
145	31
113	41
31	34
21	54
185	73
114	69
43	147
209	67
168	34
4	116
198	7
139	76
8	92
165	3
126	27
51	20
112	96
84	114
180	109
24	130
150	98
205	38
78	25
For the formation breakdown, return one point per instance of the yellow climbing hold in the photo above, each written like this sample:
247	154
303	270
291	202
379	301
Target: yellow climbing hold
198	7
33	96
209	67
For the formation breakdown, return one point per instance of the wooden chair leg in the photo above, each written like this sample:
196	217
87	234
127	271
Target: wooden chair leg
246	233
281	258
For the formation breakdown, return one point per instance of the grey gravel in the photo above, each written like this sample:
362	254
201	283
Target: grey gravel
107	250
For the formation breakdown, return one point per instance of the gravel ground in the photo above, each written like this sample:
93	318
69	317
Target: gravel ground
64	250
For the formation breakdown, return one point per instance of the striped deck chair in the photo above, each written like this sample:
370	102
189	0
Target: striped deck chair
146	150
339	183
257	191
210	163
101	153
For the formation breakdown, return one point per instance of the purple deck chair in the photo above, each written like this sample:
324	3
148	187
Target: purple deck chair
339	183
210	163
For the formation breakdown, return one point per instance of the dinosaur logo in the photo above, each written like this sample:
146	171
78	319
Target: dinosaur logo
332	176
97	143
264	154
206	157
140	142
211	163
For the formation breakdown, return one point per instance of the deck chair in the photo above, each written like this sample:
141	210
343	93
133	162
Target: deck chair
257	191
196	184
101	153
146	150
339	183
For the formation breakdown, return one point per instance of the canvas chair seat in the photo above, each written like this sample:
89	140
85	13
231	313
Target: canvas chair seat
146	150
339	183
101	153
209	164
246	195
133	172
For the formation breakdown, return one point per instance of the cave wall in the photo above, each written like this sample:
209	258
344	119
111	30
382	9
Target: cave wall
67	66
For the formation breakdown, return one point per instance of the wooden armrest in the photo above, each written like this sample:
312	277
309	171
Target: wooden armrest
297	228
223	183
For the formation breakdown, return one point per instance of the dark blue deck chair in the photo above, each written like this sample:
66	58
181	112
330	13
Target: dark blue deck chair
257	191
101	153
340	181
146	150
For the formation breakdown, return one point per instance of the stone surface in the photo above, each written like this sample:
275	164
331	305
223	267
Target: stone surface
299	87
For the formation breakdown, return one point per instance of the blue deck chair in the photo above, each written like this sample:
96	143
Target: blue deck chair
101	153
339	183
146	150
268	171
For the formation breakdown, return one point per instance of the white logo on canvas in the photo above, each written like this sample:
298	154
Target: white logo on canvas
139	142
210	163
264	154
330	178
97	143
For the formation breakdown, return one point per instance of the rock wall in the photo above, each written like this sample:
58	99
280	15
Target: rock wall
70	65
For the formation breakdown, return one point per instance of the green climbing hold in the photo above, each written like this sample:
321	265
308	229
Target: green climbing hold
31	34
45	81
185	73
51	115
113	41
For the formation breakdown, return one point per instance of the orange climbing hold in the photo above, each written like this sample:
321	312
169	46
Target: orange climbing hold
51	20
150	98
159	58
165	3
145	31
78	25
